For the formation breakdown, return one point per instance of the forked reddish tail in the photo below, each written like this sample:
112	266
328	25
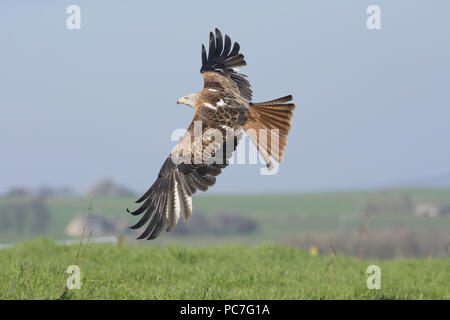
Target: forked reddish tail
268	126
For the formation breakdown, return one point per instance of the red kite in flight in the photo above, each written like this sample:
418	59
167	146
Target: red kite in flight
222	110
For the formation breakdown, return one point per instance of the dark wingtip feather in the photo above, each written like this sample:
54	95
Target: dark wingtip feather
212	46
227	47
135	226
204	57
144	218
219	43
142	236
156	231
139	210
236	48
144	196
133	212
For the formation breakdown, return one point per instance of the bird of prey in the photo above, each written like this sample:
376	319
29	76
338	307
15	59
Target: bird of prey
223	109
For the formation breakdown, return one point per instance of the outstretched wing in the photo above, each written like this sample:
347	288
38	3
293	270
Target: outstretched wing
184	172
219	67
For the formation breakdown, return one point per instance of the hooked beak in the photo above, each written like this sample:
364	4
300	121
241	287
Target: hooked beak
181	101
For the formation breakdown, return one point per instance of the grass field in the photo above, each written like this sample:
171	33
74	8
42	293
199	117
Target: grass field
265	271
295	220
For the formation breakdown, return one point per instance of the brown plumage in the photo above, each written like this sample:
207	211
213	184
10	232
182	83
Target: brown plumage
270	120
223	109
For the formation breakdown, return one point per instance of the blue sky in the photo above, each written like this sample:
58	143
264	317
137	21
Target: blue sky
79	105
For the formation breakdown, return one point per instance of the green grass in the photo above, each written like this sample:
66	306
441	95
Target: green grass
265	271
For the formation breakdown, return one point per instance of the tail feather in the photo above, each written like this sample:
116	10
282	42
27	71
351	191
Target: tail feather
268	126
278	101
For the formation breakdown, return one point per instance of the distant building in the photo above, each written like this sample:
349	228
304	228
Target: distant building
99	225
431	210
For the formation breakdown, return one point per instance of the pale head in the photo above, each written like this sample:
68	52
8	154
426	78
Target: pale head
189	100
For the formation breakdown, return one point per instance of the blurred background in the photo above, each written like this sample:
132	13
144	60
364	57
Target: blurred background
88	111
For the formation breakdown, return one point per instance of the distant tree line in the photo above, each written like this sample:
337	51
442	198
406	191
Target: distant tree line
24	215
222	223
